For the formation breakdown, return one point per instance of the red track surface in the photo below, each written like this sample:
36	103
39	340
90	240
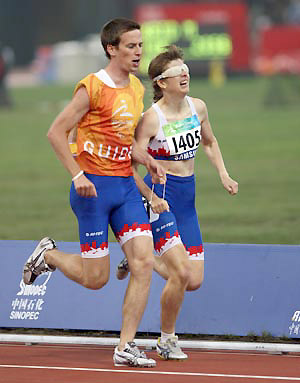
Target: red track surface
89	364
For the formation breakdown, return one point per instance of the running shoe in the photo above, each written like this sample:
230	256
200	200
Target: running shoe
170	350
131	356
122	269
36	264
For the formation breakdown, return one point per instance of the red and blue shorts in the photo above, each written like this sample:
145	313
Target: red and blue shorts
119	204
180	224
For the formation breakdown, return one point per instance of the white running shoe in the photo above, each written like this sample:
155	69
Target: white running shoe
170	350
131	356
35	264
122	269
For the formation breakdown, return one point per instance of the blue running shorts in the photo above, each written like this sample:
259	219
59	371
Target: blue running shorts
180	224
119	204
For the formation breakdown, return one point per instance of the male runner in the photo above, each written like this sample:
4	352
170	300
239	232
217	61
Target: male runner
106	108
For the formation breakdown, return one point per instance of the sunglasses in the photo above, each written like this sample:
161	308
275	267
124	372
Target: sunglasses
173	72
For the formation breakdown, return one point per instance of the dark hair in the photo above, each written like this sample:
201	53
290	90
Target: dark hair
158	65
112	31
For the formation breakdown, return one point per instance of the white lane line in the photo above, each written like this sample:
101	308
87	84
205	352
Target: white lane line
285	378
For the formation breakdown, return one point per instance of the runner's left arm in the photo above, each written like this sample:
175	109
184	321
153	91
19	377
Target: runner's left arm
212	149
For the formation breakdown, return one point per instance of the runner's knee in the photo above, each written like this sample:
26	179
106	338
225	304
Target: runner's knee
95	280
141	263
195	282
180	274
139	252
183	275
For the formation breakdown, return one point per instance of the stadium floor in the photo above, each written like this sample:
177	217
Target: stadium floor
89	364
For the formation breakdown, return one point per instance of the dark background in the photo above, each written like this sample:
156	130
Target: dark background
25	25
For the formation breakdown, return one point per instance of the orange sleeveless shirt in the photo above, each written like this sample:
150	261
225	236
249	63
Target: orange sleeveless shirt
105	134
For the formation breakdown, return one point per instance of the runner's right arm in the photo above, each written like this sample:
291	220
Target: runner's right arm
146	129
58	137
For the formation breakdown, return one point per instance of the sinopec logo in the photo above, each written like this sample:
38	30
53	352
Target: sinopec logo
29	301
36	289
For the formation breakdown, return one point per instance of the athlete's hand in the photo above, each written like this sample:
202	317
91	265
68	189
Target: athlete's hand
230	185
156	171
159	205
84	187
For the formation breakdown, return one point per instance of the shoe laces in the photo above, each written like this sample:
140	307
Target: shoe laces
135	351
173	342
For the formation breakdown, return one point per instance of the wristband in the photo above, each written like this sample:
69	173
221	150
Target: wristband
78	175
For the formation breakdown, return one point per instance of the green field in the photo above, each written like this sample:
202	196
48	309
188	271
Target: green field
260	145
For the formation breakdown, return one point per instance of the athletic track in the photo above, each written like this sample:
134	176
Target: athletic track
45	363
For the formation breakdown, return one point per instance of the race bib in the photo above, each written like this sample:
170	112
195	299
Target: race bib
183	136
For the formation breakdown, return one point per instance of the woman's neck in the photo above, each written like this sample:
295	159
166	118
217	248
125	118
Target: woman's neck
173	105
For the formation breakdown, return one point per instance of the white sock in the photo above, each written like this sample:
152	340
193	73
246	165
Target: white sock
164	336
